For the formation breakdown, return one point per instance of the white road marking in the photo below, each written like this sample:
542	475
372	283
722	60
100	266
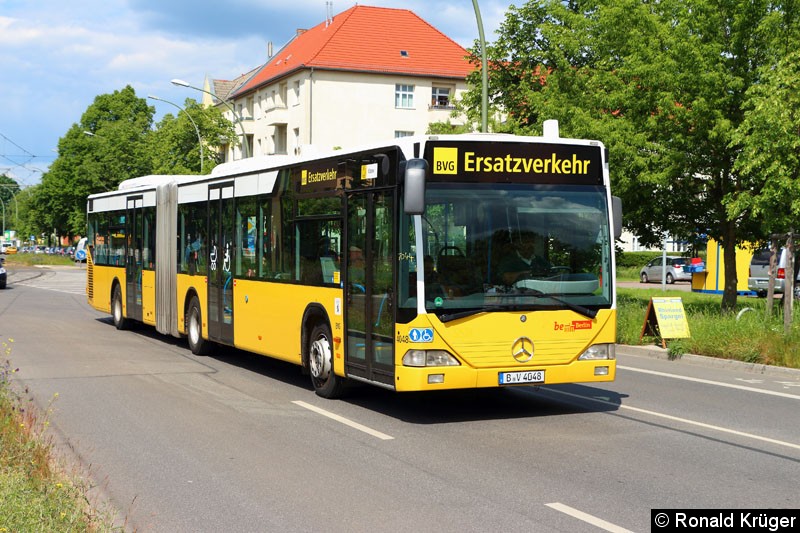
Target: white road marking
343	420
580	515
683	420
709	382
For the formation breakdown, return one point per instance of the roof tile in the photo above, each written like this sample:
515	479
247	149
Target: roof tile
368	39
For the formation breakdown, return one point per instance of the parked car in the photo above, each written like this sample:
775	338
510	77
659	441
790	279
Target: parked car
758	278
654	270
3	273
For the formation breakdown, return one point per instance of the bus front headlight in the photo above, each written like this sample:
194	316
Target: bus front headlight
422	358
598	352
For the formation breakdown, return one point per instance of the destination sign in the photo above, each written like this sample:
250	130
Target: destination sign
515	162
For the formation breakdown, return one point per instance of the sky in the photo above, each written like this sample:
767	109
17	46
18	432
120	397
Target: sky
57	56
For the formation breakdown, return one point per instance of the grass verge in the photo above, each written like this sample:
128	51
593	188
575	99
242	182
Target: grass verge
35	493
752	337
38	259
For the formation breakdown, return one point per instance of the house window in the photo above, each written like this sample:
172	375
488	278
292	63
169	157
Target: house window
398	134
279	139
404	96
283	88
296	89
440	97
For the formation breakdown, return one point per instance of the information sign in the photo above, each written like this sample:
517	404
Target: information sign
665	319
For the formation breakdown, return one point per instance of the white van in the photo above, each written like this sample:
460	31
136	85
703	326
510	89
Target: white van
758	279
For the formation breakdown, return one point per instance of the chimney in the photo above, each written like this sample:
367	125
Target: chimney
269	50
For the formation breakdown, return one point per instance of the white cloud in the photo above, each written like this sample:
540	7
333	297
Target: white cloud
56	56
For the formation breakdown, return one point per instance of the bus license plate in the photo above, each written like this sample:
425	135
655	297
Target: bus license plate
525	376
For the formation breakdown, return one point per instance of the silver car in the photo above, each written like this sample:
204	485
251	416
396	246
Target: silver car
654	270
758	278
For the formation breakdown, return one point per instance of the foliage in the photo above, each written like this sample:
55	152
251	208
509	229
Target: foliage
175	146
750	337
663	84
638	259
115	149
9	188
114	141
770	141
442	128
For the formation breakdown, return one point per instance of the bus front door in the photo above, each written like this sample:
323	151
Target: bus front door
133	258
369	311
221	224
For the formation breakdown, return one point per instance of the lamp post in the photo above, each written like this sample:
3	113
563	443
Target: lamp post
196	129
245	147
484	70
4	217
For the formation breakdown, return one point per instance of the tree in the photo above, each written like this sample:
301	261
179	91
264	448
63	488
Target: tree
663	84
115	149
9	188
175	145
769	138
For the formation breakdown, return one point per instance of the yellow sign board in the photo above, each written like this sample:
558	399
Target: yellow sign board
665	319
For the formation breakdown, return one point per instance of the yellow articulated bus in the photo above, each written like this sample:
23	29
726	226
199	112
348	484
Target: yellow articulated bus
430	263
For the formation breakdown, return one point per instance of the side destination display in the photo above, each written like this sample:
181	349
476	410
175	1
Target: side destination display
515	162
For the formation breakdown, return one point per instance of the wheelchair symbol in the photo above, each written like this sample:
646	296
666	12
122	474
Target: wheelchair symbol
421	335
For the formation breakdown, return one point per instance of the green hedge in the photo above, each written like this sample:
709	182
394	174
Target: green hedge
639	259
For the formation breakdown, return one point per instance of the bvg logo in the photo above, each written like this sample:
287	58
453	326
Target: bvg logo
304	178
445	160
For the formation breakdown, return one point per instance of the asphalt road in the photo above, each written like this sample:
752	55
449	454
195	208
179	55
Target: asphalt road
237	442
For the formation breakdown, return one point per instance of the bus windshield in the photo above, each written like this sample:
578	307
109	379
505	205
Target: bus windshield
501	247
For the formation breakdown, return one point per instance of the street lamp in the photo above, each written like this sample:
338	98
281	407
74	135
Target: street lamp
245	148
484	70
196	129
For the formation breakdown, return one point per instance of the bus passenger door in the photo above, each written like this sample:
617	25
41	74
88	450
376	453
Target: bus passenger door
133	258
369	310
221	225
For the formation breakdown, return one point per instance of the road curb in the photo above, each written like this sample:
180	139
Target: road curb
658	352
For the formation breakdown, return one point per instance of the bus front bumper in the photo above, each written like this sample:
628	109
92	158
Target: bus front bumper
463	377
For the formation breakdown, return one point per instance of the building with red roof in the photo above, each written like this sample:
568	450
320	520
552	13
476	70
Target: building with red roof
367	73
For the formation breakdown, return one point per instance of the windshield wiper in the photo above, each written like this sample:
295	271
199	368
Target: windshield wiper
485	309
581	310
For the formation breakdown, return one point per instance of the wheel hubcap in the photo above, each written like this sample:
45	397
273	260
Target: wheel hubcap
320	358
194	332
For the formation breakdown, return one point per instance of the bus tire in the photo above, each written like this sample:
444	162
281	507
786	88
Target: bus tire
194	329
320	363
120	322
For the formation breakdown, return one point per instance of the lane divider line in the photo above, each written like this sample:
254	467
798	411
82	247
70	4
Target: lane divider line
682	420
343	420
710	382
589	519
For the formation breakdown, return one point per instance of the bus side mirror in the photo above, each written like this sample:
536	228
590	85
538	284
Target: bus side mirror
414	186
616	212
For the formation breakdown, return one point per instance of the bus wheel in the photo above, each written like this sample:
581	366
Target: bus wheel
120	322
194	329
320	362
